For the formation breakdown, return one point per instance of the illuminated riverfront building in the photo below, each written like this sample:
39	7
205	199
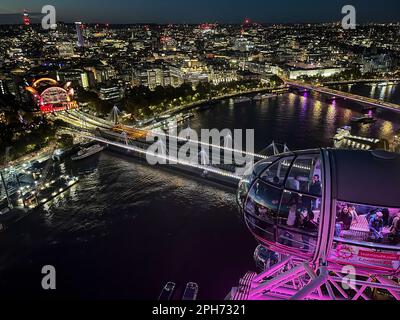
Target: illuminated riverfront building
298	70
49	96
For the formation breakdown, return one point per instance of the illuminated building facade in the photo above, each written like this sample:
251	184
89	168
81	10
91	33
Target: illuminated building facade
50	97
81	42
110	93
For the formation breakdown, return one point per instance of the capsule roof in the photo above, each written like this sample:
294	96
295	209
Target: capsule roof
368	177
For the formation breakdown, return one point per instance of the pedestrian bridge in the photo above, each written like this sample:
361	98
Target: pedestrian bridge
217	163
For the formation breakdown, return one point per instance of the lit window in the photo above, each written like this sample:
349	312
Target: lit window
305	175
276	174
362	223
263	200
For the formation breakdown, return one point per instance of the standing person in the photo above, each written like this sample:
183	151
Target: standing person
316	190
316	186
294	201
305	222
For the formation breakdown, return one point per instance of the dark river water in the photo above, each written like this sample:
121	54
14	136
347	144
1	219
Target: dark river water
127	228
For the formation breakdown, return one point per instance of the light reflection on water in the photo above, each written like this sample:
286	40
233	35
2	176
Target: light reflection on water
390	92
387	129
300	121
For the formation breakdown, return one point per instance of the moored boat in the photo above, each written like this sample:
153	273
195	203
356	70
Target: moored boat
191	292
261	97
87	152
241	99
367	119
167	292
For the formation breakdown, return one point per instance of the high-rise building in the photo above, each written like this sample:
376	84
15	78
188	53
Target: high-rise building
85	80
243	45
155	43
155	78
110	92
81	42
66	49
26	19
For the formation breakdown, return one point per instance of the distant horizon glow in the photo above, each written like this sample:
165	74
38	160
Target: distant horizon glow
218	11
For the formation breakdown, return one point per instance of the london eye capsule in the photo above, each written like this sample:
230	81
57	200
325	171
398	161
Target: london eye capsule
339	205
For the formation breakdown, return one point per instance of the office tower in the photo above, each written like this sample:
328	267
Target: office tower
79	34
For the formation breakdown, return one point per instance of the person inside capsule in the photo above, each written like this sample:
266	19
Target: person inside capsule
376	226
395	229
299	204
367	224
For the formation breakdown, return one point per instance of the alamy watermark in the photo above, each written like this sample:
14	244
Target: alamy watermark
49	21
349	21
349	278
212	148
49	280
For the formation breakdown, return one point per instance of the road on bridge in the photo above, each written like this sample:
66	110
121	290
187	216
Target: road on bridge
347	96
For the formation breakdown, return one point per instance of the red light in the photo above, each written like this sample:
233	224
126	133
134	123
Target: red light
26	19
247	21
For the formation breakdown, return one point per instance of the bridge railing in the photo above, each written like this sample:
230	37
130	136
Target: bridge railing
349	96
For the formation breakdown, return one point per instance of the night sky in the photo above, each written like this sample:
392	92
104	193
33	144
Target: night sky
188	11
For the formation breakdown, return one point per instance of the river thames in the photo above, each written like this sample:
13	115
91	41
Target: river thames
126	228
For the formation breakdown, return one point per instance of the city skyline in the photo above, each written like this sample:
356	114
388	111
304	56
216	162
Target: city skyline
223	11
